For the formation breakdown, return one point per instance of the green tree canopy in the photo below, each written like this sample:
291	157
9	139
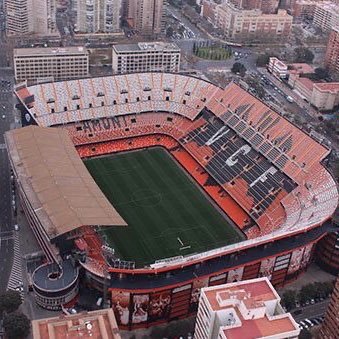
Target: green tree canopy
262	60
321	73
289	299
303	54
16	325
238	68
10	301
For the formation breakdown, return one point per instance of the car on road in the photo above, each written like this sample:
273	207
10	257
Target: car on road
308	322
303	324
16	227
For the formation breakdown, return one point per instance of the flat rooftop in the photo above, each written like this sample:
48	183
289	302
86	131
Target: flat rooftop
146	46
95	324
250	309
50	51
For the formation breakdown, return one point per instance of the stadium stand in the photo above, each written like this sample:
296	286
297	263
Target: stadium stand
264	163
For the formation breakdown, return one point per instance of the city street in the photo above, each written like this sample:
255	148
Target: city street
6	207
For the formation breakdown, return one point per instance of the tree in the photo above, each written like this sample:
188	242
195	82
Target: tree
289	299
262	60
238	68
321	73
169	31
16	325
305	334
10	301
303	54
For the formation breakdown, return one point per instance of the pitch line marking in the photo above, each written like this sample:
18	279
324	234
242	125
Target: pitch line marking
181	243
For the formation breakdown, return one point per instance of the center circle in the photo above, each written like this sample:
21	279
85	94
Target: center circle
146	197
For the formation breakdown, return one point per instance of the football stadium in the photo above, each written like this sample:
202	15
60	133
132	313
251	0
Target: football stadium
154	185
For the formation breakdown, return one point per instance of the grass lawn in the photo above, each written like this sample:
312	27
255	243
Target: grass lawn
213	53
167	214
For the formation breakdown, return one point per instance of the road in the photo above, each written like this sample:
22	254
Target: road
6	210
312	311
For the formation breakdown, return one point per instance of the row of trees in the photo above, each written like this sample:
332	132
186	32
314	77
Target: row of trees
15	323
316	290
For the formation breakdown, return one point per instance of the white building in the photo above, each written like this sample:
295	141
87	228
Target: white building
326	15
25	17
277	68
146	56
244	309
40	64
98	16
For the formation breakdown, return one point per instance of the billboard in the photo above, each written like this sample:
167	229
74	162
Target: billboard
235	275
266	268
159	305
140	308
120	305
295	260
197	285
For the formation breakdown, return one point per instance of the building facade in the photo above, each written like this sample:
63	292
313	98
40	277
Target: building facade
30	17
145	57
236	309
277	68
98	16
146	16
330	327
328	252
34	64
245	24
326	15
332	51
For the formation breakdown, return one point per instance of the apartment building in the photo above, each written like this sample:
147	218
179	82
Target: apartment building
244	24
277	68
238	309
332	51
330	327
145	56
25	17
40	64
146	16
303	9
98	16
326	15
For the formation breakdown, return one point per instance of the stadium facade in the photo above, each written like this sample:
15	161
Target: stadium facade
265	173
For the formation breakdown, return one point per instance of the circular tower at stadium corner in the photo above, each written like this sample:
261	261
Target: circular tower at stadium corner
55	284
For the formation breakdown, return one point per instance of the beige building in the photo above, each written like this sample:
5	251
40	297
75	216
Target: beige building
98	16
332	51
244	24
244	309
41	64
146	16
277	68
145	57
326	15
30	17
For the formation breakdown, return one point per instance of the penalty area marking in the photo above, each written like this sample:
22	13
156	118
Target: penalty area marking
182	245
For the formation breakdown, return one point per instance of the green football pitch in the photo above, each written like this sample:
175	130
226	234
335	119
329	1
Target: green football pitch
166	213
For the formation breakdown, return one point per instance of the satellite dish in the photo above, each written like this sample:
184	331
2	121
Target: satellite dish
89	326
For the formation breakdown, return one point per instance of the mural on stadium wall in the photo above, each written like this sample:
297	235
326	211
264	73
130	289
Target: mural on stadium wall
306	256
159	305
295	260
235	275
266	268
140	308
120	305
197	285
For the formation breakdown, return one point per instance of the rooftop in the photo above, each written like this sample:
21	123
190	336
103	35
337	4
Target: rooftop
143	46
250	309
95	324
328	86
300	68
62	192
50	51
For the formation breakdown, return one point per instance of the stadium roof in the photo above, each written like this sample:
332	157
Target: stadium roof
61	190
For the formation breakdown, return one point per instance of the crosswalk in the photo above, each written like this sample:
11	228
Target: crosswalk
15	278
